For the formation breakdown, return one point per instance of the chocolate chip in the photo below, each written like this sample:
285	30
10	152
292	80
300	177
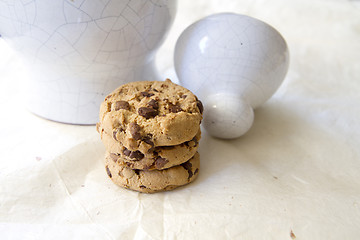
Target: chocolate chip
136	155
114	135
183	96
188	166
196	171
153	104
122	105
135	130
160	162
155	90
126	152
146	94
108	172
147	140
137	172
142	186
114	157
147	112
174	108
195	140
200	106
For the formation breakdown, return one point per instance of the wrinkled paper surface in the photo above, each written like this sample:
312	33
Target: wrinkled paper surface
294	175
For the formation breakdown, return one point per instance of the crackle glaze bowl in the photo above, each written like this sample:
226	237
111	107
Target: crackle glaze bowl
77	51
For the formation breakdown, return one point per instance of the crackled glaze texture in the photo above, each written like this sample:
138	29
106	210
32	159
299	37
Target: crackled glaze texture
77	51
234	63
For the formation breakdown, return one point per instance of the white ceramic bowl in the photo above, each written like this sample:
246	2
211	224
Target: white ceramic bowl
77	51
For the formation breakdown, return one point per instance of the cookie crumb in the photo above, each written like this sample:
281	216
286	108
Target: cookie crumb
292	235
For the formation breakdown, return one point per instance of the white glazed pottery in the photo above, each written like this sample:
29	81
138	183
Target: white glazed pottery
77	51
233	63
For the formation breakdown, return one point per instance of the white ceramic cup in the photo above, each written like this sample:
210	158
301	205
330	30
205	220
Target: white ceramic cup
77	51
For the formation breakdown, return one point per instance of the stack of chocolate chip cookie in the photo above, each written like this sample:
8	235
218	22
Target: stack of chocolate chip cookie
151	131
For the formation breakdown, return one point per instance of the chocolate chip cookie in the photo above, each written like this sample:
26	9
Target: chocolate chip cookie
153	181
151	158
156	113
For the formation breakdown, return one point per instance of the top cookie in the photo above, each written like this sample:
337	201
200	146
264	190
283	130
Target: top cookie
161	113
